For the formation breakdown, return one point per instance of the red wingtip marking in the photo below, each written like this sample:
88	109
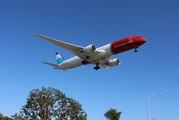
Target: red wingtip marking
56	53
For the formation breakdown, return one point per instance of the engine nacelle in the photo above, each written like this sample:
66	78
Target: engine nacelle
89	48
114	62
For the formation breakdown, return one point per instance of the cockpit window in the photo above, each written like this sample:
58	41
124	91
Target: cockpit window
138	37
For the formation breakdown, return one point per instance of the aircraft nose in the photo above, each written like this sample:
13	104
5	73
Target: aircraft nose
140	41
143	40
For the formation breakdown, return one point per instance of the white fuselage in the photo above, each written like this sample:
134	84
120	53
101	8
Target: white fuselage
104	52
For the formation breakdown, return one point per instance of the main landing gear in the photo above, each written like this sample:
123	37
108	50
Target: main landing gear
97	66
84	62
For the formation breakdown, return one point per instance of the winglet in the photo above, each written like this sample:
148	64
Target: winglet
39	35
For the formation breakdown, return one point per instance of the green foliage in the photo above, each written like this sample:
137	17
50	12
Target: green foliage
2	117
112	114
20	116
50	103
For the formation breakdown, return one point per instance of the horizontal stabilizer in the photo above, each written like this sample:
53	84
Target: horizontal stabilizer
51	64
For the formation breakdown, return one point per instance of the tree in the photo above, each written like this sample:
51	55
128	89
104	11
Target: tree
50	103
112	114
20	116
2	117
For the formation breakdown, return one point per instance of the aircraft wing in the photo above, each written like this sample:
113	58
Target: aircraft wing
70	47
65	45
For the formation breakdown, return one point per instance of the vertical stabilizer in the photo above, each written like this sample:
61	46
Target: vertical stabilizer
59	58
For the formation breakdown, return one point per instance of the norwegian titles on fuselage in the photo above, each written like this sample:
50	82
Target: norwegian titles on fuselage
123	44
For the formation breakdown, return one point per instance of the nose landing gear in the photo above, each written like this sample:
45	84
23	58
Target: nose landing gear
135	49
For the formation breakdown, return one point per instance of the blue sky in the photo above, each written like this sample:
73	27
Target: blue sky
154	68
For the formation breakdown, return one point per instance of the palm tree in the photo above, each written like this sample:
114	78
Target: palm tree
112	114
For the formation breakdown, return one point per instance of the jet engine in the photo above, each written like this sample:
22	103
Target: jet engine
114	62
89	48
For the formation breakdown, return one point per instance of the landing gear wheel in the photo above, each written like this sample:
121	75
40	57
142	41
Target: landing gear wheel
135	50
84	62
97	67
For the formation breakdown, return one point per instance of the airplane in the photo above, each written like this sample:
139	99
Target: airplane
92	55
